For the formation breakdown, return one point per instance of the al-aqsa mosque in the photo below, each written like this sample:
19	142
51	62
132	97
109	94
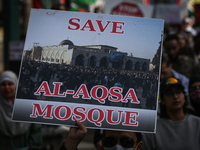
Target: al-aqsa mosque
91	55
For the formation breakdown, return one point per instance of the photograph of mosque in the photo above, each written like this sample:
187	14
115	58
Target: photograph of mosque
105	50
92	55
89	63
109	51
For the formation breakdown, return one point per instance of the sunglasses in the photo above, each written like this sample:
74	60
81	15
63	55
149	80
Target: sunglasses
126	142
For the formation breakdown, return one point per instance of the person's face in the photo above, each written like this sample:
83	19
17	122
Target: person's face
172	48
174	98
195	92
7	89
182	41
124	134
165	71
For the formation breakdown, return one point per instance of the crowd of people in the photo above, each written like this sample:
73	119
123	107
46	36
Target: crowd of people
33	73
178	123
73	76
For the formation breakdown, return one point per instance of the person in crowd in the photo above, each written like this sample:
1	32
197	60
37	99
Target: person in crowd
112	140
97	139
168	71
150	101
175	128
197	48
15	135
118	84
187	25
185	47
194	95
181	63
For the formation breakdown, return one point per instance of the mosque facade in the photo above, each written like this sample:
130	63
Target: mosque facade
92	55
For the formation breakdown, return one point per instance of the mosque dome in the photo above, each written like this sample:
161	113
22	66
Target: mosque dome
67	42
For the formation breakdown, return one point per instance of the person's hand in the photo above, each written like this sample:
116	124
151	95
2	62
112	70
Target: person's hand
76	135
99	145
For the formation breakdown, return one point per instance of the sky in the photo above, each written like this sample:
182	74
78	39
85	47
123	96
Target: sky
141	36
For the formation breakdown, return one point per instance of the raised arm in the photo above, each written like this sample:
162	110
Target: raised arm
76	135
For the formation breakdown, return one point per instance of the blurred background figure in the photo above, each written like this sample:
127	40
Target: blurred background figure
167	71
15	135
194	93
181	63
186	43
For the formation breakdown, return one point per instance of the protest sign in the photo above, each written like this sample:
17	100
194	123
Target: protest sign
92	67
168	12
128	8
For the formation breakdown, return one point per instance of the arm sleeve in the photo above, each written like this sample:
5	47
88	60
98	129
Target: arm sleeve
35	137
148	141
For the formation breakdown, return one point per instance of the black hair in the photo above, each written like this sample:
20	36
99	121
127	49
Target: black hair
185	35
171	37
193	79
165	59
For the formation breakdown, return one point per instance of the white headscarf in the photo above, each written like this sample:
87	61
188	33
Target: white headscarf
7	126
9	76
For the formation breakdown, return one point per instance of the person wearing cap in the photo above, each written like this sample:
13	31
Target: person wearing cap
15	135
168	71
112	140
176	129
194	95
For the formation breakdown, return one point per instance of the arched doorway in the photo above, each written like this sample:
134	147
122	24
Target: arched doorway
104	62
144	67
128	65
92	61
137	66
79	60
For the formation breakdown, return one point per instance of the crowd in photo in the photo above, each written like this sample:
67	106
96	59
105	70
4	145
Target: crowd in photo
33	73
